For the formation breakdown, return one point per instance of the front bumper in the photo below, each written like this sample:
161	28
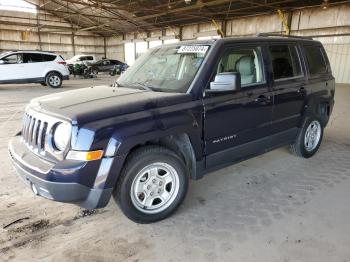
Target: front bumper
33	170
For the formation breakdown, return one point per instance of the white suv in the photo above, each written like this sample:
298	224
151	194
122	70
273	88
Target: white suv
22	67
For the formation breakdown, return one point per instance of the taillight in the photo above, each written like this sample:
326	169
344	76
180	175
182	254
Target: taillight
62	62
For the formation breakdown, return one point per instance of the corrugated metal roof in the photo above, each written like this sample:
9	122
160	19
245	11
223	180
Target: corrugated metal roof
110	17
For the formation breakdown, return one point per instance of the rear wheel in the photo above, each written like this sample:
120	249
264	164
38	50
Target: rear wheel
152	185
309	138
53	80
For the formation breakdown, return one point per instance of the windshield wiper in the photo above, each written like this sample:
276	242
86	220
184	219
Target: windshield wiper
142	85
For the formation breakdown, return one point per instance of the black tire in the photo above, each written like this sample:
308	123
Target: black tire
87	73
299	148
113	72
43	84
53	80
142	158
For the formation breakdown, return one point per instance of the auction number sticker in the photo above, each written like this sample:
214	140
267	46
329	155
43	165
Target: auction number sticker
202	49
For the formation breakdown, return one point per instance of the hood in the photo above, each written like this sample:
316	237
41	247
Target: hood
90	104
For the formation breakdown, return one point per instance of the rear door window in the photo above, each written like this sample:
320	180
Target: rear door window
32	58
285	62
315	60
86	58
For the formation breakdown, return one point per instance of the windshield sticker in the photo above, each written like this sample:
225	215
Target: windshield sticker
201	49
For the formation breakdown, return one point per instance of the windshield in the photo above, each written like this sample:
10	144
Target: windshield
5	54
165	69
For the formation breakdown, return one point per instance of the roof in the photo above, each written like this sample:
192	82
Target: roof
115	17
32	51
29	51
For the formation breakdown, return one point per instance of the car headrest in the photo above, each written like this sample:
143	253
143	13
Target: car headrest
245	65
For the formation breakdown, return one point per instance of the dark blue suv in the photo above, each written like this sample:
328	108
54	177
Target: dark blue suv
181	111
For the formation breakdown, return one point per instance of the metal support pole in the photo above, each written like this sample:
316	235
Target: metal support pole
289	21
38	27
123	35
105	46
224	26
73	43
148	36
180	33
163	34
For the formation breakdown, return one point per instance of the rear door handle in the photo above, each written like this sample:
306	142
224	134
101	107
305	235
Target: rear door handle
302	91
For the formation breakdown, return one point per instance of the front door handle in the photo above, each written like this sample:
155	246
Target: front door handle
262	99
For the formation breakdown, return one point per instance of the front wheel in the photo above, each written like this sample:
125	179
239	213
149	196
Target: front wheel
152	185
53	80
94	72
113	72
309	138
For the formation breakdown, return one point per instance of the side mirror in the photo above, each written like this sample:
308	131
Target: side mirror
225	82
2	62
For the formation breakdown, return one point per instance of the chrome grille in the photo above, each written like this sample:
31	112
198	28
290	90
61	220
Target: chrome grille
37	134
34	131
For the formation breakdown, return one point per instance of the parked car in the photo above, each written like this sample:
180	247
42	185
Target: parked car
88	59
113	67
22	67
181	111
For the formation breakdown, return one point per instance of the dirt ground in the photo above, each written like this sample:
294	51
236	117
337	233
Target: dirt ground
274	207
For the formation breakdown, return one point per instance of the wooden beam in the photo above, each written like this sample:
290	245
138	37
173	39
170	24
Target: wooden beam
189	16
34	25
92	21
182	9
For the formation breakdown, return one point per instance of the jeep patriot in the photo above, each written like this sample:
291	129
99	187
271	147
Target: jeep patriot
181	111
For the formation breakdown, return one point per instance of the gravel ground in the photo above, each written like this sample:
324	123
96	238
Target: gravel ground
274	207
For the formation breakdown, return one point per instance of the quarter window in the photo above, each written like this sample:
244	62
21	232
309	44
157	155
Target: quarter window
48	58
285	61
246	62
315	60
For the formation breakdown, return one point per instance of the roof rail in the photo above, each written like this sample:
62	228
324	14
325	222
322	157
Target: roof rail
280	35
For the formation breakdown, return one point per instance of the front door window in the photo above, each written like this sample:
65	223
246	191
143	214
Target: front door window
13	59
246	62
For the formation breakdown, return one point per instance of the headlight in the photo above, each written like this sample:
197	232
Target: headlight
62	136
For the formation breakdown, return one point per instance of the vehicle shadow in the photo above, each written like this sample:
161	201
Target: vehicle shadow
239	201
